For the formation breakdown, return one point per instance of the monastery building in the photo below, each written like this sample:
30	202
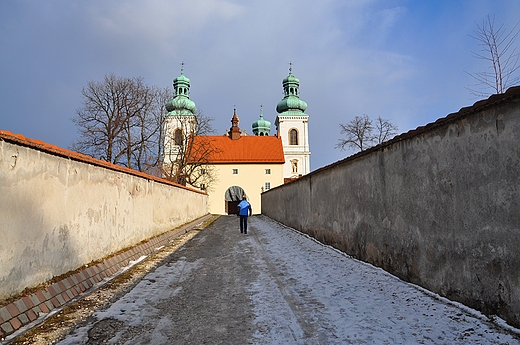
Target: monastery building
236	163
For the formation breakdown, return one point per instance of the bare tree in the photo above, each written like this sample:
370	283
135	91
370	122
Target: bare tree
188	150
359	132
146	134
138	127
120	122
123	121
497	46
154	156
385	130
102	119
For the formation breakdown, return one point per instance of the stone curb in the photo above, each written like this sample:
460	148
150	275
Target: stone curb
28	309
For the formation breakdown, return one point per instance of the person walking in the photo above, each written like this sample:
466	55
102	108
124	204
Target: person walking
244	210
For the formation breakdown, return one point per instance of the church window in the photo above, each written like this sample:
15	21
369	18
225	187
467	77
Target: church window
178	137
293	137
235	171
268	171
202	171
202	186
267	185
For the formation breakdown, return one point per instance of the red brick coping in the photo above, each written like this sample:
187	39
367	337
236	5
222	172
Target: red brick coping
28	309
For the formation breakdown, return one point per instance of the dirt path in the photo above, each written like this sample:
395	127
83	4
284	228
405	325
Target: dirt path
198	295
276	286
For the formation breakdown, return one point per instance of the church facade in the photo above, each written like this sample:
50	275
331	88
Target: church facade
235	164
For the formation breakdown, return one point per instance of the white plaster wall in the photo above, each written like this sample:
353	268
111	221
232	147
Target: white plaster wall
58	214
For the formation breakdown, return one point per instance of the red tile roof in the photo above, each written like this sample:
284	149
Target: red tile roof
57	151
247	149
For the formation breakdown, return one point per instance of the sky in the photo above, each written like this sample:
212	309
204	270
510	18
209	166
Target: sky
404	60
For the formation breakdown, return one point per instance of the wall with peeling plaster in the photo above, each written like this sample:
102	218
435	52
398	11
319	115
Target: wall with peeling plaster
58	213
438	206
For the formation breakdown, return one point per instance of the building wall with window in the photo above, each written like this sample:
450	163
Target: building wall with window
294	132
251	177
242	164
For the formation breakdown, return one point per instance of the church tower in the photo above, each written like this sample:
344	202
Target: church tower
179	122
261	127
234	131
292	127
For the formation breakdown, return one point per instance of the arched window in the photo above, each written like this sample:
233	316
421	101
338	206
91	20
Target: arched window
178	137
293	137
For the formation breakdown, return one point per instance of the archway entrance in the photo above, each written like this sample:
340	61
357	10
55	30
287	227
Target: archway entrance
232	197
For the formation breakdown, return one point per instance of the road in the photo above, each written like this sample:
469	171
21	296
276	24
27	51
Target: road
278	286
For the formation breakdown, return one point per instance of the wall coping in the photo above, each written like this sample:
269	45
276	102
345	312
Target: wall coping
79	157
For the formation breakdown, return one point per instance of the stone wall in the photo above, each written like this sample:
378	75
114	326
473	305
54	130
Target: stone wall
60	210
438	206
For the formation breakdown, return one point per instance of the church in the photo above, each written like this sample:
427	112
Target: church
235	164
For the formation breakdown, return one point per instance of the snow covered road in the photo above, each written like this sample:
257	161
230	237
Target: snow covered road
277	286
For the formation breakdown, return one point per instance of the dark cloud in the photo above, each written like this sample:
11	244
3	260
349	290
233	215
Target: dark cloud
402	60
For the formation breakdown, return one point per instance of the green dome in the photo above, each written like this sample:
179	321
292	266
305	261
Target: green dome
290	79
182	79
291	101
261	127
181	104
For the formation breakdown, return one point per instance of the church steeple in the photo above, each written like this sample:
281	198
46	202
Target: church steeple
292	127
291	104
235	132
179	122
181	104
261	127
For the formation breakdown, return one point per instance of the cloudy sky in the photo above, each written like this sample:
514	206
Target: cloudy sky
402	60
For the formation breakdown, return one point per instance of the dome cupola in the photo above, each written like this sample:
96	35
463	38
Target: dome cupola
261	127
181	104
291	102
